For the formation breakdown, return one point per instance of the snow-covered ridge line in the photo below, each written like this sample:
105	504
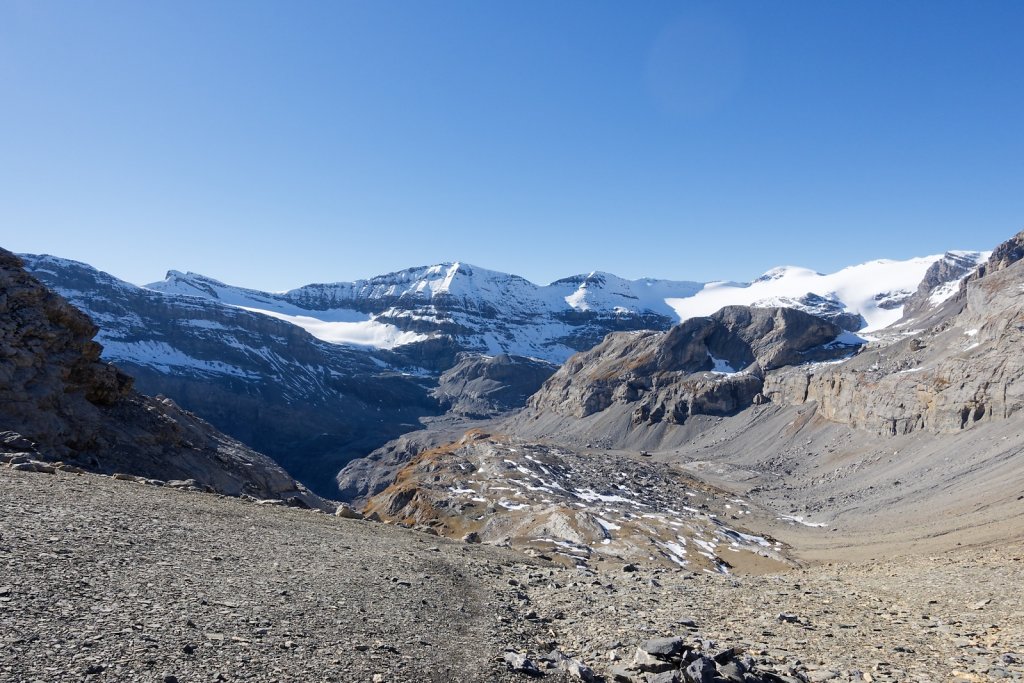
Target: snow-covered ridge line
471	286
875	290
870	295
508	313
494	312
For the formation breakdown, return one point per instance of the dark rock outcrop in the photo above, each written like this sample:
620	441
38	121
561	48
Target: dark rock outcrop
943	273
483	386
704	366
966	368
311	405
56	393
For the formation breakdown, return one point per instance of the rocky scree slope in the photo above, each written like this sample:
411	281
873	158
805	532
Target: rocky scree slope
310	404
60	402
222	603
582	509
365	477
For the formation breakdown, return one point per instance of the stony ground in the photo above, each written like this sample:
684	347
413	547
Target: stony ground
106	580
118	581
927	619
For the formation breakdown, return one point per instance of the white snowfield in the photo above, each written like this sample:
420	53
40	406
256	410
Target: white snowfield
366	332
510	314
863	289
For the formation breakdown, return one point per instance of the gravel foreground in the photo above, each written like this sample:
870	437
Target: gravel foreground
106	580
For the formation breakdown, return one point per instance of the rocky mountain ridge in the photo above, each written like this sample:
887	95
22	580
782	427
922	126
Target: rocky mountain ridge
763	406
325	374
309	404
483	386
963	369
489	312
704	366
60	402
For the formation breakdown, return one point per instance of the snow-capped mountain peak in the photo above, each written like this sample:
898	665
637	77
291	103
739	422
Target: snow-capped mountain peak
490	311
496	312
874	291
783	272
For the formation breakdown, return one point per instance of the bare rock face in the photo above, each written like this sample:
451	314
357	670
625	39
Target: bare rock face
704	366
57	394
310	405
482	386
965	369
945	272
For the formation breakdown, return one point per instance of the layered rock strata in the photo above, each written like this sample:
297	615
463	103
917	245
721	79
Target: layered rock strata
60	402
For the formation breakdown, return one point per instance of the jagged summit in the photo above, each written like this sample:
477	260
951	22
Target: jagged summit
488	311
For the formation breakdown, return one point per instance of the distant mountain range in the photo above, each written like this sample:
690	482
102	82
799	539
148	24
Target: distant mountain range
489	312
325	373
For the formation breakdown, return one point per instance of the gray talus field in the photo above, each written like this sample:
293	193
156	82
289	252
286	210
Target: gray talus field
110	580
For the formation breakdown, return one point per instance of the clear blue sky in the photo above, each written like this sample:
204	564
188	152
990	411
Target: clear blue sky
275	144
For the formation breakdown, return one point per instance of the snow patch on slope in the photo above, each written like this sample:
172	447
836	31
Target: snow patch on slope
165	358
504	313
874	290
366	332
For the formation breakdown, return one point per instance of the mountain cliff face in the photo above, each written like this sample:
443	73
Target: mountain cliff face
472	309
964	369
704	366
59	401
310	404
941	281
